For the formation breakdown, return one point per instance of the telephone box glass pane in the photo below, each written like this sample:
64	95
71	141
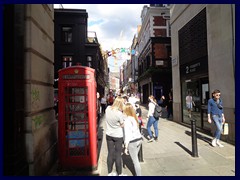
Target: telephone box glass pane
76	121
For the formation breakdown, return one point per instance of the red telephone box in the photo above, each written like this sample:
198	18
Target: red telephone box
77	126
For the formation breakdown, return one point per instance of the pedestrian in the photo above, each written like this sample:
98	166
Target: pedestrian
151	120
189	104
98	108
132	136
125	98
161	101
132	99
215	113
114	136
139	114
103	104
169	106
110	98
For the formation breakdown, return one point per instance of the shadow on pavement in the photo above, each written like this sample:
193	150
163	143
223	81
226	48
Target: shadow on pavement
144	133
184	148
201	137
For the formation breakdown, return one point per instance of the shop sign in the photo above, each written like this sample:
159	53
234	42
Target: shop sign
159	63
174	61
76	76
192	68
199	67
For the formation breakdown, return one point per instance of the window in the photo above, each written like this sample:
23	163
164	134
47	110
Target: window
66	61
89	61
193	44
67	34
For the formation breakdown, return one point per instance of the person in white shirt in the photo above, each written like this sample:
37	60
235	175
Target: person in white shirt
103	104
132	136
151	119
132	99
189	104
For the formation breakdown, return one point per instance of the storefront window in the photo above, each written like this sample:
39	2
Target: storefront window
191	88
197	91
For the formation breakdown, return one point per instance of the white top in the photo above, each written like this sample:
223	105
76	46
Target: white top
132	101
151	107
103	100
131	129
114	119
189	99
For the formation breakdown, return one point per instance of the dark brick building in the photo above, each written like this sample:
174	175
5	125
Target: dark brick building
75	45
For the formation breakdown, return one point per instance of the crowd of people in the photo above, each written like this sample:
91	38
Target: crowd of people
123	117
122	132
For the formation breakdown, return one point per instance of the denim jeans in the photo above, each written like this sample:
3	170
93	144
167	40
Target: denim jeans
114	146
154	122
218	122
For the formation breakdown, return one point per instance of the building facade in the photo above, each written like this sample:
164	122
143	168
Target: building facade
29	124
114	82
203	59
154	51
74	44
134	66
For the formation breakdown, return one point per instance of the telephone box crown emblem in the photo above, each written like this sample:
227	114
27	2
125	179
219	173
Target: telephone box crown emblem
76	71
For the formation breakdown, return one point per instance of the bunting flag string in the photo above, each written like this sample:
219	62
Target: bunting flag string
116	51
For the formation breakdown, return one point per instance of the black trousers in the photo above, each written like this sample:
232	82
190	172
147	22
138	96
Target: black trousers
114	146
103	108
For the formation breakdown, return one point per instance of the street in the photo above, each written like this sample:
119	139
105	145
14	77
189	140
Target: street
171	155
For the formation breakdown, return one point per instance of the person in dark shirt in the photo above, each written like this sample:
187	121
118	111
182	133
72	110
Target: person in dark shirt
139	114
169	106
161	102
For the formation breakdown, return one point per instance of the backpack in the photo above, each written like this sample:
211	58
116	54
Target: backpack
157	112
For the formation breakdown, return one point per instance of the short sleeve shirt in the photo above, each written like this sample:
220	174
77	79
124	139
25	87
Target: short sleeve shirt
114	119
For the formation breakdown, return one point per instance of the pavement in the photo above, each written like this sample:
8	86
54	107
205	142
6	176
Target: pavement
171	155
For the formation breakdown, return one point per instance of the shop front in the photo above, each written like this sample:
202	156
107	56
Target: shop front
195	83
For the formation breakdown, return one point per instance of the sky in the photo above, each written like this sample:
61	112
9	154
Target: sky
114	24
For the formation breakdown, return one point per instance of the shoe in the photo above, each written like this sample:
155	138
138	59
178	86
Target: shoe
219	144
112	174
156	139
150	140
122	174
214	144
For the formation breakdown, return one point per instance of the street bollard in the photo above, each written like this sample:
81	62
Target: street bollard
140	153
194	138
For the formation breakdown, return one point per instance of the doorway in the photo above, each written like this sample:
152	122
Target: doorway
199	90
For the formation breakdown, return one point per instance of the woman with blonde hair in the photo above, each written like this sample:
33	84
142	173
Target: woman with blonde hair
132	136
151	119
114	136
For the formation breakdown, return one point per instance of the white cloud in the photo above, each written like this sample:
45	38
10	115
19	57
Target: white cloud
114	24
